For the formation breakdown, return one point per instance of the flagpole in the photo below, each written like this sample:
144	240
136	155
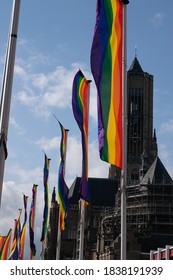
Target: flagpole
7	88
82	228
58	248
124	148
42	251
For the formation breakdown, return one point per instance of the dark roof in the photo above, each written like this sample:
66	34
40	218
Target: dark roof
135	67
157	174
102	191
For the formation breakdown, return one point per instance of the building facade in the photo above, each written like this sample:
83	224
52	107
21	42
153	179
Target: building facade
149	190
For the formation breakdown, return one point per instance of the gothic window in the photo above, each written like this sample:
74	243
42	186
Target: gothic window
134	174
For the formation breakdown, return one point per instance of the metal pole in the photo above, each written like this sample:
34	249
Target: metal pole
58	245
124	169
7	88
82	227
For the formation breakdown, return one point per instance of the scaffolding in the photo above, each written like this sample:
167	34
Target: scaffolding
149	208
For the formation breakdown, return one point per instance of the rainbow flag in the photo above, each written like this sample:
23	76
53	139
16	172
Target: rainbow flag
2	240
46	200
31	222
14	253
63	190
23	231
106	67
5	246
80	105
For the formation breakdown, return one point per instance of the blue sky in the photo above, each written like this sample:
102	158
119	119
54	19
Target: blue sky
54	41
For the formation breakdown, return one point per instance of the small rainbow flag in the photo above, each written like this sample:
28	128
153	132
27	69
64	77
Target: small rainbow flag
14	253
31	222
5	246
46	199
23	231
63	190
80	105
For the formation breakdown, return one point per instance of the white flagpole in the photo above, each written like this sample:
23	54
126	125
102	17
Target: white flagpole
42	251
7	88
124	148
82	227
58	246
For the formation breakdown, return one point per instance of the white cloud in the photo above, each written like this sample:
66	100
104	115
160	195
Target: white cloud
73	157
26	99
157	19
163	152
40	81
48	144
42	92
33	57
12	200
167	127
20	71
16	126
14	123
97	168
93	102
26	175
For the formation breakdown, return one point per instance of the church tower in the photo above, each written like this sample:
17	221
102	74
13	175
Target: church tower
141	139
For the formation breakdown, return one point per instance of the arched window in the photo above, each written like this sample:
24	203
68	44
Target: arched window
134	174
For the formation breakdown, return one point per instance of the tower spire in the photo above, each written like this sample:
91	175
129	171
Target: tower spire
154	149
53	196
135	51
